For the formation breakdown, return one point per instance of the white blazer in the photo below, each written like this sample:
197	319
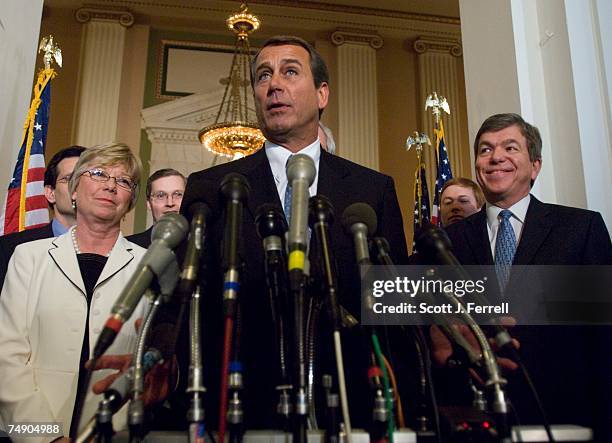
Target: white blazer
43	311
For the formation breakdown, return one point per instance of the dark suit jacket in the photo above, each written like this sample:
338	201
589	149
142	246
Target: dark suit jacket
9	242
552	234
142	238
344	183
569	364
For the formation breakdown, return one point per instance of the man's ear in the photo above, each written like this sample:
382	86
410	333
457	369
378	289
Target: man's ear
50	194
149	206
323	95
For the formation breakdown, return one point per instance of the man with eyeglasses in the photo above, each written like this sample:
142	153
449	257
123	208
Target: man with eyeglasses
165	188
57	175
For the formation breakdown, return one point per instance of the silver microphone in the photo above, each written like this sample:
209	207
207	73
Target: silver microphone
168	232
301	172
359	221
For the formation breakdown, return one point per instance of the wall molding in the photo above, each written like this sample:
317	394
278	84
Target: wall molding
342	36
124	17
435	44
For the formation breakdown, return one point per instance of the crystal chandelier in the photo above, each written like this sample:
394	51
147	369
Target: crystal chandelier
234	134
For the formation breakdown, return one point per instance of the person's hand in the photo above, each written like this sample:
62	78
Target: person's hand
441	347
158	381
119	362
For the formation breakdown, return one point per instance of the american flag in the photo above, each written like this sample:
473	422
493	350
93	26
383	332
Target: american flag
25	205
444	171
421	199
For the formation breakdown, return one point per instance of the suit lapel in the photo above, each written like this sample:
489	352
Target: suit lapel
62	253
260	177
119	258
538	223
478	238
331	173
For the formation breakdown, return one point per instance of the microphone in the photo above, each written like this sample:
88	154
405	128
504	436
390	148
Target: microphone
168	232
379	247
235	190
359	220
301	172
434	243
199	213
321	216
271	226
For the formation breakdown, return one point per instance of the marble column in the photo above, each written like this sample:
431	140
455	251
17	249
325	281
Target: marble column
437	60
357	95
100	70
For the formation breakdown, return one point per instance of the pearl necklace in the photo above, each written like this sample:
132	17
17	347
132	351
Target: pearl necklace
74	240
76	244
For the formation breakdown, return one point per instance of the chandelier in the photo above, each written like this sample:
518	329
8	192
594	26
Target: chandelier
234	134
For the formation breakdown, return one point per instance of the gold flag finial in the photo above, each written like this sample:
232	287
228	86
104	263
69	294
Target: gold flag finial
51	51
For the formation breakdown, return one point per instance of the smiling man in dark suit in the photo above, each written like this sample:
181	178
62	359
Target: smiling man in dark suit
514	228
290	82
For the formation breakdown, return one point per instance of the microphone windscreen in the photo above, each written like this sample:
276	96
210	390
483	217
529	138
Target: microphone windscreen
234	186
270	220
300	166
430	239
172	228
360	213
199	207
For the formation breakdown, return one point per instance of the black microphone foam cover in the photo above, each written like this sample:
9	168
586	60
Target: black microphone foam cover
234	186
431	240
359	213
270	220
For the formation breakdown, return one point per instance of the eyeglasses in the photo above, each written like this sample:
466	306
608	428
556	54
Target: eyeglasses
102	176
162	195
64	179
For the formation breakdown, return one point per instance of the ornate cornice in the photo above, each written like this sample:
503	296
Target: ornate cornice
167	135
342	36
301	4
435	44
124	17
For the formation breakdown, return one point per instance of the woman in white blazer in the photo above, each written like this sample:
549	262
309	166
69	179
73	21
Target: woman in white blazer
58	293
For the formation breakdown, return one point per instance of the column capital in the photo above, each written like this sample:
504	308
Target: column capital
122	16
345	35
436	44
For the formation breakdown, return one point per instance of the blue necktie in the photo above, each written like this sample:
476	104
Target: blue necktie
288	195
505	247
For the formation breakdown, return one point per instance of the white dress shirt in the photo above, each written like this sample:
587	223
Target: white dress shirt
278	156
517	220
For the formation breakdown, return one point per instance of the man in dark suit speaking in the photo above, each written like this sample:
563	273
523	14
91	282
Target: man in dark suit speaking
290	82
567	363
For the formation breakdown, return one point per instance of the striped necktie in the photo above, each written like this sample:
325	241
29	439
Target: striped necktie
288	195
505	247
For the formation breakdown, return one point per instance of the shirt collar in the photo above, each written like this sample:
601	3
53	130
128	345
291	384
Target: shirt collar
58	228
519	211
278	156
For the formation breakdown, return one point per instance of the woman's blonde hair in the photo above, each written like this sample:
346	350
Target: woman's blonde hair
108	154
